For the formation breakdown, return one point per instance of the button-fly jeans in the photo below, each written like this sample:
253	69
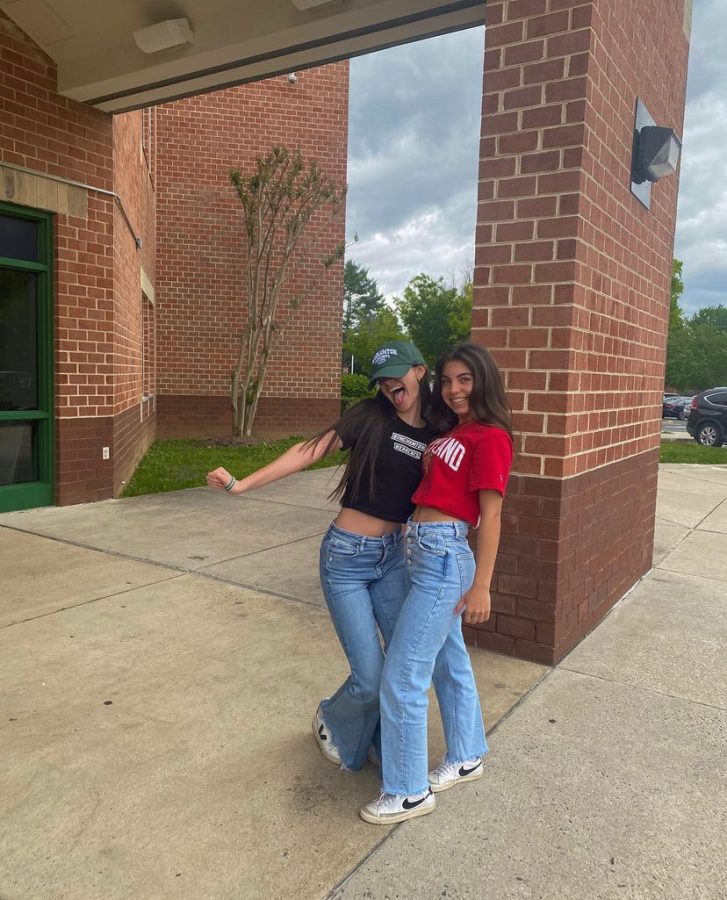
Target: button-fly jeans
364	581
427	646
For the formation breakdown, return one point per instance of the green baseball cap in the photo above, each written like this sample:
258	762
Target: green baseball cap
394	360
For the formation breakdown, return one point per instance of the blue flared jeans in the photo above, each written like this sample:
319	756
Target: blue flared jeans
428	647
364	581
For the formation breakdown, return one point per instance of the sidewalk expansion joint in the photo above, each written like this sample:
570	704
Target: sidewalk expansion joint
645	689
180	570
298	540
707	515
662	568
330	509
120	593
342	884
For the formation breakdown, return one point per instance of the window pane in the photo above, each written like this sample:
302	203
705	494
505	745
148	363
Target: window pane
18	239
18	452
18	340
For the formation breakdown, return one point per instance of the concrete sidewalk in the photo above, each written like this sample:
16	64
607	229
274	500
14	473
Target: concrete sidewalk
161	659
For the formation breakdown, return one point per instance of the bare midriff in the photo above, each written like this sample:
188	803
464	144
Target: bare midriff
429	514
364	524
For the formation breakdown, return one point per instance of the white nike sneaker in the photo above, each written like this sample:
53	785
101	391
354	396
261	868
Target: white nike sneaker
392	808
324	739
447	774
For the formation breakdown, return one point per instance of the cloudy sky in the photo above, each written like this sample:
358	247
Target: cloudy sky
413	147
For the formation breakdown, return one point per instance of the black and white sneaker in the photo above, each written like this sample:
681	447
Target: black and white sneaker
447	774
324	739
392	808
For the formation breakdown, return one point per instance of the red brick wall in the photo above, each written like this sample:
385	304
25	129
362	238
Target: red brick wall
40	129
83	474
96	263
200	276
51	135
200	416
134	418
572	294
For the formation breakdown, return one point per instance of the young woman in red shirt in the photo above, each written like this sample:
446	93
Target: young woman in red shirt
465	477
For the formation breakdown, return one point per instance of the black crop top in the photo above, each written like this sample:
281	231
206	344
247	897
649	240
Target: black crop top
397	473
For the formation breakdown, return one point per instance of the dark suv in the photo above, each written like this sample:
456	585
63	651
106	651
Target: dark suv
707	422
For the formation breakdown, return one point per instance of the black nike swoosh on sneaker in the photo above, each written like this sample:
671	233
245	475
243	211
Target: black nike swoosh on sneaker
463	771
323	737
412	804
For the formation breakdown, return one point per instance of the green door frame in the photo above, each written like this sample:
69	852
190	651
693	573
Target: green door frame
36	493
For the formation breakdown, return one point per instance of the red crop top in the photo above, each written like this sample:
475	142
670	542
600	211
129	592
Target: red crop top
468	459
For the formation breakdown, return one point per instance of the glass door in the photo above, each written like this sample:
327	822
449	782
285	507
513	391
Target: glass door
26	359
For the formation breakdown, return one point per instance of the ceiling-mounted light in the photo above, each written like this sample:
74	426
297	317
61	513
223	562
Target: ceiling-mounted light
310	4
164	35
655	153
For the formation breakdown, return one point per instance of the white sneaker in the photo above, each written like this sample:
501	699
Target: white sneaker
447	774
392	808
324	739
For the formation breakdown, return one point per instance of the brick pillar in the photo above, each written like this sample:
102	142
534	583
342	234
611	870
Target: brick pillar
572	280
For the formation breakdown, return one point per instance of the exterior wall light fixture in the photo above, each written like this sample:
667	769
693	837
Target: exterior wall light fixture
655	153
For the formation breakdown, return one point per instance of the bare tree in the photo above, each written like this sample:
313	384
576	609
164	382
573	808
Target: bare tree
278	200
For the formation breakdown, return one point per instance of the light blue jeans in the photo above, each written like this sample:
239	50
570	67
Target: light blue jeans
427	647
364	581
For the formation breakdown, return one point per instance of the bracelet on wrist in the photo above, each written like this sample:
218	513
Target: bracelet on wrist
233	482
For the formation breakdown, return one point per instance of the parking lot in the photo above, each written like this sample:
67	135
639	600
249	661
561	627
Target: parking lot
675	428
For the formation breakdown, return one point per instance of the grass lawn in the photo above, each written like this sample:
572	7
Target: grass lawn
691	452
175	464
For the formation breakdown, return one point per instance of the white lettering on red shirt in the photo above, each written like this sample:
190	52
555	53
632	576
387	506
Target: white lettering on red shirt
457	466
450	450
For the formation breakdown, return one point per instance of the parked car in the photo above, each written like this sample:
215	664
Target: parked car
675	407
707	422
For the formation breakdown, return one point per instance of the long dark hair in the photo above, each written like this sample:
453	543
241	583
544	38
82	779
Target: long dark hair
365	425
488	402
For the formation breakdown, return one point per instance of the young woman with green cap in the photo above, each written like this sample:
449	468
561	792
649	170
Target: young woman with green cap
362	563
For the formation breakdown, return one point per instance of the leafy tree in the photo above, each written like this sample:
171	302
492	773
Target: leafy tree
679	342
676	316
461	318
714	316
696	356
361	342
708	366
279	198
361	295
367	321
436	316
353	389
680	358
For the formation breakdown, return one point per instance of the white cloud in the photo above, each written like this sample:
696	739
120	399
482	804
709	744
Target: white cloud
413	156
395	256
701	236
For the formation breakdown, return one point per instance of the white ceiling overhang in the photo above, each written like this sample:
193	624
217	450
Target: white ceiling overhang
234	40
